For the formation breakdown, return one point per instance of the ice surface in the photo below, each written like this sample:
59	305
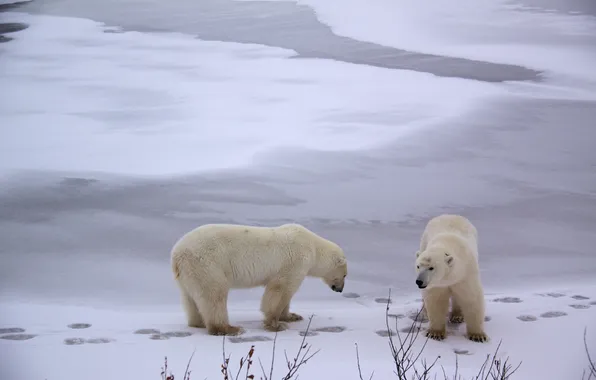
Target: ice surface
10	2
362	155
492	30
152	104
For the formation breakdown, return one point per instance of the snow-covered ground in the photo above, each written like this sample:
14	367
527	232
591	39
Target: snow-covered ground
115	141
542	330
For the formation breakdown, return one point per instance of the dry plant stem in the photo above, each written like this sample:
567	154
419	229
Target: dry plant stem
186	371
403	356
358	363
592	364
497	370
302	357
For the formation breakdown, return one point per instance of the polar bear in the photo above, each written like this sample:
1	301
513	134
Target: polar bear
447	268
212	259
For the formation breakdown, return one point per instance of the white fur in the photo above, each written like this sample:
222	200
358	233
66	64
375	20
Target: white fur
447	268
212	259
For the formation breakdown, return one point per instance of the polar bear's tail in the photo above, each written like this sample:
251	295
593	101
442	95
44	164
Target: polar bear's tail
175	269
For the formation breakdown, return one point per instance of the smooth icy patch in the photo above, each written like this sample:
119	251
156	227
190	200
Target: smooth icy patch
132	94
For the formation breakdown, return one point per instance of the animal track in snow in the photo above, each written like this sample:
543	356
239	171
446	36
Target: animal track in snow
508	300
527	318
249	339
553	314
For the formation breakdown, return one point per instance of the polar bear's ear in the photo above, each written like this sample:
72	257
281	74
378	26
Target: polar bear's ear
341	260
417	254
448	259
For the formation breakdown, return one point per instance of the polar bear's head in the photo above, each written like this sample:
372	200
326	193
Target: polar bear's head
336	270
433	267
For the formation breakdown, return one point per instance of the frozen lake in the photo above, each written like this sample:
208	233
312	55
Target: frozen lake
123	124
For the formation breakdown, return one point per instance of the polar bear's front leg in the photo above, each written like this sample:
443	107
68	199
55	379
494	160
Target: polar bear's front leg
275	302
471	300
436	303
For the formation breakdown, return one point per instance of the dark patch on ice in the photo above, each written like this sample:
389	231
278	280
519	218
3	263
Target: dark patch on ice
76	182
508	300
593	303
11	27
249	339
553	295
18	336
487	318
579	306
527	318
461	351
580	298
74	341
553	314
385	333
418	317
5	39
309	333
177	334
411	328
9	6
11	330
396	316
99	340
159	337
351	295
79	326
383	300
332	329
147	331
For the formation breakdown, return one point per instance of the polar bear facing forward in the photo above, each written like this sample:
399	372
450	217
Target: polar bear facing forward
447	268
212	259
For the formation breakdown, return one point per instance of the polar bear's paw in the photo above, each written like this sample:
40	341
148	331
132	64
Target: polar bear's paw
478	337
291	317
275	325
225	330
436	334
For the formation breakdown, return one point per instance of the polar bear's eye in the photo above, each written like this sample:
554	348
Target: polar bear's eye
417	266
431	268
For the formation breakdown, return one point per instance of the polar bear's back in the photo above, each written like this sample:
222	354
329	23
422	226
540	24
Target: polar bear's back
235	250
450	223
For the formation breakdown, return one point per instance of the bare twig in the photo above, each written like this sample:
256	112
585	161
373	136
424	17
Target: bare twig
187	371
404	358
303	355
592	364
360	369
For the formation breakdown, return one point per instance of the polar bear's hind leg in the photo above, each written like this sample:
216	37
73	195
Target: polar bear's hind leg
456	315
193	314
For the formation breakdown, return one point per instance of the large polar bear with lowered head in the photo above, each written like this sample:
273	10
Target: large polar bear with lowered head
447	268
212	259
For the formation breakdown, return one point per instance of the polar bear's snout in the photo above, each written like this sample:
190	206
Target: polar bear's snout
422	280
337	288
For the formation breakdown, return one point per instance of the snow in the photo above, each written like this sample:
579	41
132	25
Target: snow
110	348
81	97
110	98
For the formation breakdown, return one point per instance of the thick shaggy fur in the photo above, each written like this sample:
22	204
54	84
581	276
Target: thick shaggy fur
447	268
212	259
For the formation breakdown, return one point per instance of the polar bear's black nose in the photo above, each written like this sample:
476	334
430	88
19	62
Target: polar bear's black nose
419	283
